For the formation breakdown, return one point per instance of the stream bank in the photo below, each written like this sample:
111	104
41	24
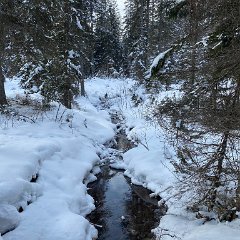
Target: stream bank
123	210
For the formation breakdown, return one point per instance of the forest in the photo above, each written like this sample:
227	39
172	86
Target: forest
188	48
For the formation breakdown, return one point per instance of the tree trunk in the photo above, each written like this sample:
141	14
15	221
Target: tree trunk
238	191
3	99
193	36
82	88
67	95
219	160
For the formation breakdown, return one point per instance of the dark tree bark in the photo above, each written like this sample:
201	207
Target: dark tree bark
238	193
82	88
221	153
3	99
193	36
67	94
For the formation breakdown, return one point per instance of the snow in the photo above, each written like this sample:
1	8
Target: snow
178	123
204	41
192	229
149	162
158	58
79	24
121	7
9	217
63	147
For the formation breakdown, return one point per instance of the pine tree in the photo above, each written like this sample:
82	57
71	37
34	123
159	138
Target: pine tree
136	36
53	48
142	34
107	50
3	99
206	61
7	18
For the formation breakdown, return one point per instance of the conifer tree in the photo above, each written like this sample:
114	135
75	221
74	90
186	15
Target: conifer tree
205	60
107	50
52	48
136	36
8	19
142	34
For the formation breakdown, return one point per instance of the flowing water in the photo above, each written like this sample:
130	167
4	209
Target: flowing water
124	211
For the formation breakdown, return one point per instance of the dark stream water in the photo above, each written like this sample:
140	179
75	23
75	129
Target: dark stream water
124	211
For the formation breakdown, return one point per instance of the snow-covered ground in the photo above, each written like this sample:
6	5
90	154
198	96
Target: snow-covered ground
62	148
149	163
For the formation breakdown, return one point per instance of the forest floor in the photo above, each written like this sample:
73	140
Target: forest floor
48	157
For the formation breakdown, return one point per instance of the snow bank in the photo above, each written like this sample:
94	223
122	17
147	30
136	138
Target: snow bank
149	163
9	217
60	148
190	228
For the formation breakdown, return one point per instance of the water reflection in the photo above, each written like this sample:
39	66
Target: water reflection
125	211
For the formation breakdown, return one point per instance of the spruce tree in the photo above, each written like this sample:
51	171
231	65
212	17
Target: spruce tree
7	19
107	50
53	48
205	61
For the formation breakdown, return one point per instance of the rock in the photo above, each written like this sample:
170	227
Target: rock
9	218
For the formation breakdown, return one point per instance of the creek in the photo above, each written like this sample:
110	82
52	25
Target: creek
124	211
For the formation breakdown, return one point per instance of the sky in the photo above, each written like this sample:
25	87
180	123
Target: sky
121	6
